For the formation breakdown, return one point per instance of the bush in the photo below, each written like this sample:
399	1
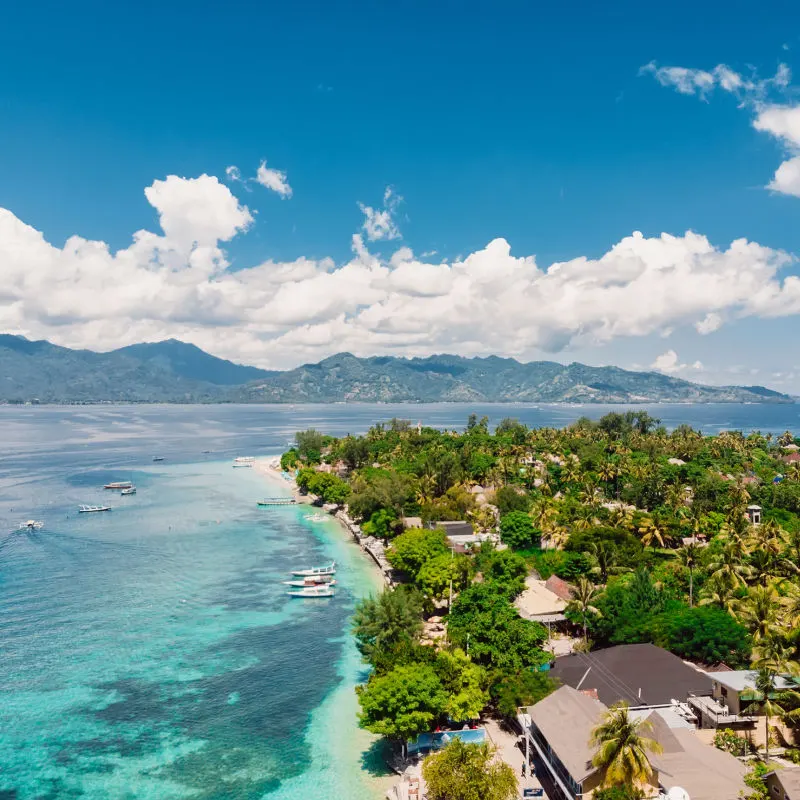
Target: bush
731	743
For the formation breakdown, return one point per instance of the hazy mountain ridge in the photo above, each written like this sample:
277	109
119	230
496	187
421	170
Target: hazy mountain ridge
175	372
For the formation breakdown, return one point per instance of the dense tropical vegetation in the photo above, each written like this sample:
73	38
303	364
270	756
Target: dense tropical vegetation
651	528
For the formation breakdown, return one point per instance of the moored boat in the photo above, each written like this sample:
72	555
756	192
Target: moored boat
119	485
312	591
158	458
314	571
92	509
129	490
310	582
277	501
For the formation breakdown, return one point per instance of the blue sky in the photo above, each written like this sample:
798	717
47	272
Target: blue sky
503	120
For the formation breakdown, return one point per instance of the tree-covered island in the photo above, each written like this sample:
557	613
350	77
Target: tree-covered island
686	541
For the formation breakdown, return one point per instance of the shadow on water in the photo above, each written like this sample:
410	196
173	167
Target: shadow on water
374	759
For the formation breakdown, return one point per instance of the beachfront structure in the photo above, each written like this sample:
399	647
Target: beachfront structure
732	697
784	784
642	675
540	604
558	732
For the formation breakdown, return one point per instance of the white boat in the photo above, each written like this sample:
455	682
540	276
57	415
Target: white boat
316	517
158	458
309	582
119	485
314	571
92	509
243	460
31	525
129	490
312	591
242	464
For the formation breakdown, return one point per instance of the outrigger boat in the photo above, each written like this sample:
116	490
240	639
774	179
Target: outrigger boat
316	571
324	580
244	461
119	485
92	509
277	501
313	591
31	525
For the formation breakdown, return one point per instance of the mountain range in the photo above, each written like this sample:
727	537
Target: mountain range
175	372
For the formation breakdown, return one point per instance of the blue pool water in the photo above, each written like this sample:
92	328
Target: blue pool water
151	651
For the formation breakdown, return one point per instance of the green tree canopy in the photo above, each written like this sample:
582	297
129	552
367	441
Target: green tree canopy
517	531
483	621
388	625
503	569
520	688
403	703
468	772
435	575
413	548
703	633
465	684
309	445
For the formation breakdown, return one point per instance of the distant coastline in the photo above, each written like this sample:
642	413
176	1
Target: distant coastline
177	372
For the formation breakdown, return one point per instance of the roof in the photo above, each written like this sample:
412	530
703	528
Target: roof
789	779
741	679
412	522
703	771
640	674
559	587
566	718
453	527
537	600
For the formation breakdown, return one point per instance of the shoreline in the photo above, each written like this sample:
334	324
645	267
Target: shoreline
351	751
269	467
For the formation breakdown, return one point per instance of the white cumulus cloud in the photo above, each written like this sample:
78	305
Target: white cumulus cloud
177	283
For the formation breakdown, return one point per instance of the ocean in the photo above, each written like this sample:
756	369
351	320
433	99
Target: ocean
151	651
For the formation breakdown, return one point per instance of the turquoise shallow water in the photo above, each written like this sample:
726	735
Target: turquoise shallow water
151	652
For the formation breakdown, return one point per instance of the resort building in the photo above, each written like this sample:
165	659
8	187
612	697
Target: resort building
558	731
642	675
732	696
540	603
784	784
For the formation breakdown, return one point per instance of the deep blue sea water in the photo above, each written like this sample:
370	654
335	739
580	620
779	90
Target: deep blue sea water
151	651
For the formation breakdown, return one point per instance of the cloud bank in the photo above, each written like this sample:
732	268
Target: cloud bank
177	283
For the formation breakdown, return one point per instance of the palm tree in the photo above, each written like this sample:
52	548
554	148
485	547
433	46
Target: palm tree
687	555
728	565
654	530
720	594
759	611
764	700
582	605
622	748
